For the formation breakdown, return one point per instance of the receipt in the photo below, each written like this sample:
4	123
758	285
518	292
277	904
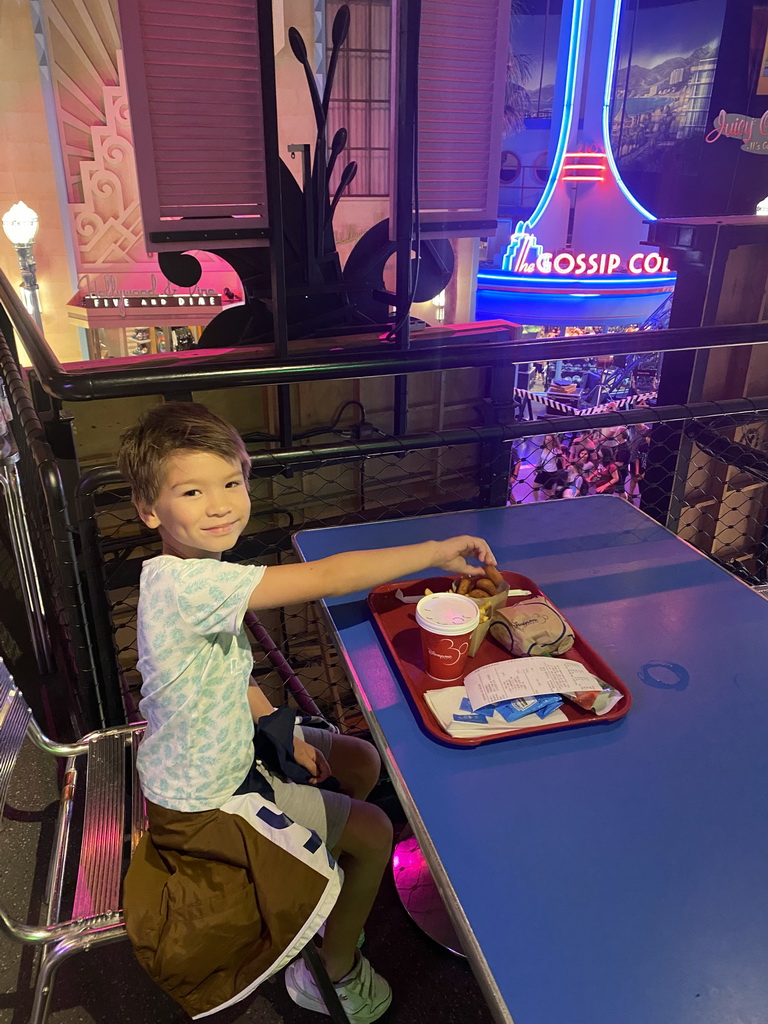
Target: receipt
526	677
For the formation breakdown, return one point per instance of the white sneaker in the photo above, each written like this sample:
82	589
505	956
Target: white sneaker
364	994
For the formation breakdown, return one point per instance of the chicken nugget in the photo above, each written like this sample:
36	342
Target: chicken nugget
486	585
477	593
494	575
465	583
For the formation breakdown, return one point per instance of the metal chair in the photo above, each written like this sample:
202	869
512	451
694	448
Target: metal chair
107	844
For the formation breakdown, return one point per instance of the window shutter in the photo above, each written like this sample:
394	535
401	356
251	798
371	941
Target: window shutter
194	79
463	53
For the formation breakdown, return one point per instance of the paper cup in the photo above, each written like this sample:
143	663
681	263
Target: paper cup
447	622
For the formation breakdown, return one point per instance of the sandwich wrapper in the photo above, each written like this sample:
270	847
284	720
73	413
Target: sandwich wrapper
531	628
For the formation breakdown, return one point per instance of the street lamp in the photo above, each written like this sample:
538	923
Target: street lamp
20	225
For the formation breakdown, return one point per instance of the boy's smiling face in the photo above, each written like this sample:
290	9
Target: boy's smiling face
203	505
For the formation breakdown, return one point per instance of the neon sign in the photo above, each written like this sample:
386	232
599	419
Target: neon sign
575	170
144	299
525	256
751	131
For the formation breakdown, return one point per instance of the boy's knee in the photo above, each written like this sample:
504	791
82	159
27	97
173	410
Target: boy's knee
367	834
369	764
357	765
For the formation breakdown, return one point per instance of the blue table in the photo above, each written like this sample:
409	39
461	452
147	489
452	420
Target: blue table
610	874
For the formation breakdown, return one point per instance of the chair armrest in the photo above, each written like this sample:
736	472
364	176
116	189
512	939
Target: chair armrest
44	933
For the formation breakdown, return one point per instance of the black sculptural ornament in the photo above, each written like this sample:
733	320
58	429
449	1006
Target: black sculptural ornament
322	299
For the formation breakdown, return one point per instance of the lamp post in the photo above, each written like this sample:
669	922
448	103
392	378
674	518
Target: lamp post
20	225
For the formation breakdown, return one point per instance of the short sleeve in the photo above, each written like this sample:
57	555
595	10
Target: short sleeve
212	596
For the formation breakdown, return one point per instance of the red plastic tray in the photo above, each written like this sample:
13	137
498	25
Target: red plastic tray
397	623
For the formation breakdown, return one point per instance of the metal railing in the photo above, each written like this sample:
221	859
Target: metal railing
44	547
18	530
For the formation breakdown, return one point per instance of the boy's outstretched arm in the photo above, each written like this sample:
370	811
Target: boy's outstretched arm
362	570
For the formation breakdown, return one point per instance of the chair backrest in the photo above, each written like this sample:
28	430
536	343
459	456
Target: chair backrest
15	716
102	850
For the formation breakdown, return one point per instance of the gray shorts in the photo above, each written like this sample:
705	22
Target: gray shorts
321	810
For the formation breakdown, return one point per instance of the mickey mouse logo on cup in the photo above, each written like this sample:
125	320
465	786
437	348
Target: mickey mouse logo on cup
447	622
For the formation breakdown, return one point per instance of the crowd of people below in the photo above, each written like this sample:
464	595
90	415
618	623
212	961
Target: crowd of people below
608	460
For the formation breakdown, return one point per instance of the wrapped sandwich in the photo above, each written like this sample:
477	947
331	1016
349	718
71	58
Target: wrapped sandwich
533	627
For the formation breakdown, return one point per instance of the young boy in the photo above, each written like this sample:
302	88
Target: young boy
188	472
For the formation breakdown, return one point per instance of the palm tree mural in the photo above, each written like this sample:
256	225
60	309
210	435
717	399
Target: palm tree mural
517	101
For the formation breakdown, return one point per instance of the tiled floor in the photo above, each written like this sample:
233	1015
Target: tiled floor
105	986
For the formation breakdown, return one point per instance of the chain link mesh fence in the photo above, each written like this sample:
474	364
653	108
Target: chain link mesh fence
704	476
706	479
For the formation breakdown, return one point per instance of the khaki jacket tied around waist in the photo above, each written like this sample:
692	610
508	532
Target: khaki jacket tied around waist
218	901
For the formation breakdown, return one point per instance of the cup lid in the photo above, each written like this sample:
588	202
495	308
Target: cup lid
449	614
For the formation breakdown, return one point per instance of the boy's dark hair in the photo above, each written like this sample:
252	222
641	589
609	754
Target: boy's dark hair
167	429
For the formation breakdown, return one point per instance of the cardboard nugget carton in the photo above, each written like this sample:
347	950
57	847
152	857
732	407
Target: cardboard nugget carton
489	605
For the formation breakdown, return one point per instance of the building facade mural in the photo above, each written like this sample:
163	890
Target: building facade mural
79	50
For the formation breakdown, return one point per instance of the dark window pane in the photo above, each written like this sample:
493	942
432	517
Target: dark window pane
361	93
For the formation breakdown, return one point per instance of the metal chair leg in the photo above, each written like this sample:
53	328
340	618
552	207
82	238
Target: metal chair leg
54	955
46	975
330	996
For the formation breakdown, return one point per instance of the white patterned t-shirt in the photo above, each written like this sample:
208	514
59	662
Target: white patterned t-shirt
195	661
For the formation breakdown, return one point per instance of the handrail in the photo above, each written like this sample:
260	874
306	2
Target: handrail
317	360
286	459
32	436
208	369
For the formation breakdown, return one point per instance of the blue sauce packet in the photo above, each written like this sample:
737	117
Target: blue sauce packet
548	705
511	710
519	707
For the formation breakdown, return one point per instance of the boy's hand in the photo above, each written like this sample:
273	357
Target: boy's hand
451	555
309	757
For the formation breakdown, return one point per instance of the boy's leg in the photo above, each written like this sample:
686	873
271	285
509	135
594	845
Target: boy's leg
363	850
363	853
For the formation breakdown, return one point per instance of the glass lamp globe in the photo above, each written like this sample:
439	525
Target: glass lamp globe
20	224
